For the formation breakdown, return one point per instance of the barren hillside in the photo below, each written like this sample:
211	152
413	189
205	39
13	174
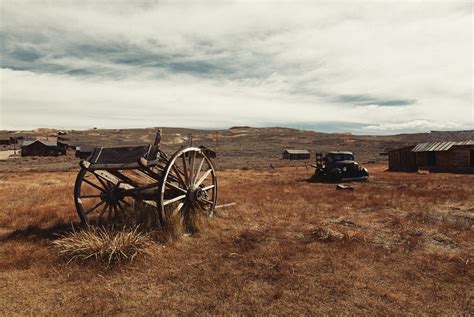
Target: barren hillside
236	147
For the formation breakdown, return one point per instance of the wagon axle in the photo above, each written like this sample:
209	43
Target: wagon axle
112	195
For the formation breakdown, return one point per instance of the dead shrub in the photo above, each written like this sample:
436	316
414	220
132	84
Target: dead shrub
326	234
106	245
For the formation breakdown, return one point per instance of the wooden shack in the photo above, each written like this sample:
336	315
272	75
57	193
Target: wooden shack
4	141
42	148
402	160
446	156
296	154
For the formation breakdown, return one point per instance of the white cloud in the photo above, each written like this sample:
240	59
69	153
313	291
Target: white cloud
236	62
417	125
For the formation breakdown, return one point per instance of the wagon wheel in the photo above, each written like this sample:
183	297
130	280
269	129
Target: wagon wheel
97	200
189	185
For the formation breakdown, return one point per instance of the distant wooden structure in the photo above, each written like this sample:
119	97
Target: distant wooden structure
402	160
4	141
42	148
447	156
441	156
289	154
208	152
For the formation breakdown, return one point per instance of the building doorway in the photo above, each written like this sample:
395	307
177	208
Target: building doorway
471	158
431	158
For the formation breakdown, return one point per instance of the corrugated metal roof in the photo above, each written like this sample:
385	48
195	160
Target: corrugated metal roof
297	151
439	146
47	143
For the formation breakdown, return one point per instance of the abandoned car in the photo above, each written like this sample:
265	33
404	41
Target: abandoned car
338	166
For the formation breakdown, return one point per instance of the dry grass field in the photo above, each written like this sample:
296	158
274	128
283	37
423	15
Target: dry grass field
398	244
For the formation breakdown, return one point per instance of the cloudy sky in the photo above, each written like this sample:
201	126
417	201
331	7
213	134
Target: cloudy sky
366	67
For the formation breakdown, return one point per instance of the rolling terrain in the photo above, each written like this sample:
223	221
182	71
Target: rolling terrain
238	147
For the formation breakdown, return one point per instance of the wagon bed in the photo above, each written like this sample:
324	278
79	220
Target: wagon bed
112	182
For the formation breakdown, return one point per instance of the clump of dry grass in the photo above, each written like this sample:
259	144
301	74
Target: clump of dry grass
327	234
107	245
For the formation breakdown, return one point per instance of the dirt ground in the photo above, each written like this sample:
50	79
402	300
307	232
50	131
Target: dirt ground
4	155
398	244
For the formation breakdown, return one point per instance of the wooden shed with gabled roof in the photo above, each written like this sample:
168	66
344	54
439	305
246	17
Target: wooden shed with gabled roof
42	148
446	156
289	154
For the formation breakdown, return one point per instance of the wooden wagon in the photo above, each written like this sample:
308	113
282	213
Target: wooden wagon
113	181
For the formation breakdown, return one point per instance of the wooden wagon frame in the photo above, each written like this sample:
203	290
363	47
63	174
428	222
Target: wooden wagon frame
112	180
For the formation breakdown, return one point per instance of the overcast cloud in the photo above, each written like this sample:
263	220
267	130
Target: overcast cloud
365	67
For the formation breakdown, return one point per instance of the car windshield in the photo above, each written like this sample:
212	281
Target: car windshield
343	157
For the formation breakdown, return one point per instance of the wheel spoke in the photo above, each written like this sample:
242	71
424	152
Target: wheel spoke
207	201
119	212
208	187
89	196
92	184
122	211
176	187
200	167
110	214
206	174
200	206
177	209
185	168
191	168
166	202
99	178
102	213
94	207
178	174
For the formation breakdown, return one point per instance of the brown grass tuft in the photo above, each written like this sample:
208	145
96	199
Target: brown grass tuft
327	234
106	245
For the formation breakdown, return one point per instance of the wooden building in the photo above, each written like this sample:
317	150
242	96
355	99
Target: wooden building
42	148
402	160
438	156
447	156
296	154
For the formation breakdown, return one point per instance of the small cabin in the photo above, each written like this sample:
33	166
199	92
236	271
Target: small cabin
296	154
442	156
447	156
42	148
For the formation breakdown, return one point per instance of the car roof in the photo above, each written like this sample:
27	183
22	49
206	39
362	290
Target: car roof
340	152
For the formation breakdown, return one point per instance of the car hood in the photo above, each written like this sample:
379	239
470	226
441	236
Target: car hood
344	162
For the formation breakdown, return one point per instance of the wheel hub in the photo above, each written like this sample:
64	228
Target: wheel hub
195	193
111	196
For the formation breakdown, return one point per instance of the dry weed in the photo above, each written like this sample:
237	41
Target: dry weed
327	234
105	245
